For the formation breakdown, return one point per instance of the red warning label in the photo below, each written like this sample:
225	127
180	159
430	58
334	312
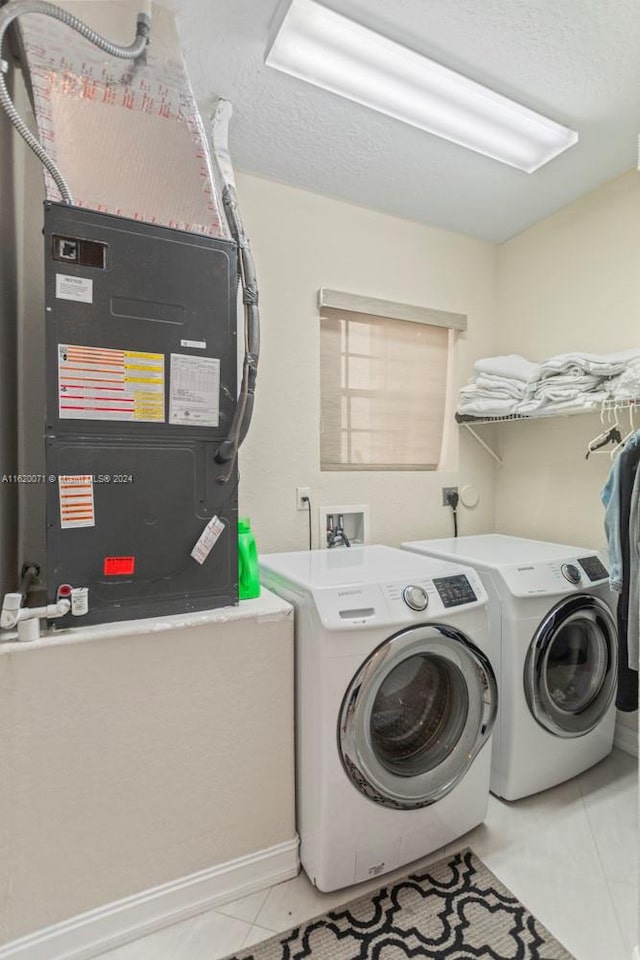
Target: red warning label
119	566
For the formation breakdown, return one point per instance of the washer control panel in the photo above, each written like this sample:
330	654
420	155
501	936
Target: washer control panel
454	591
363	605
415	597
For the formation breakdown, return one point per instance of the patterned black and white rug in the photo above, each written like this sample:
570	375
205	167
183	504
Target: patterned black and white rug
454	909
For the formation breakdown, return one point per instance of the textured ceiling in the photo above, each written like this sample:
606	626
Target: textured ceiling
575	61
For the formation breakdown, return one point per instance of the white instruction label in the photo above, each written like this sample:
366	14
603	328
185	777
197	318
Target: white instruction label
207	539
195	344
74	288
100	384
195	390
79	601
76	502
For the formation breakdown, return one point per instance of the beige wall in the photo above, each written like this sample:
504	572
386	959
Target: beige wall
130	761
572	282
302	242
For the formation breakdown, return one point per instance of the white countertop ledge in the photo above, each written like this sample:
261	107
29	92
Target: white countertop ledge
266	607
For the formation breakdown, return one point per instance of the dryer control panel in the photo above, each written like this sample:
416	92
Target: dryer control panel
594	568
555	577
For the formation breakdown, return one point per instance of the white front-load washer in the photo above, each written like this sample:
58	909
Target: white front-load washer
550	610
396	699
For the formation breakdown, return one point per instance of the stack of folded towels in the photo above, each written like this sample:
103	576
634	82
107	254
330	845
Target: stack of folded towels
499	385
511	385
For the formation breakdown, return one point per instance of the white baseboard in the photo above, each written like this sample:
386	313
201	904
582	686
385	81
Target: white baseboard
115	924
626	738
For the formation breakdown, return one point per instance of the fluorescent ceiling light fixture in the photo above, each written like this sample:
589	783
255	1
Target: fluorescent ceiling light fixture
322	47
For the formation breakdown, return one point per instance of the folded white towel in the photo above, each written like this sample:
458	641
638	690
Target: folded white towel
501	385
564	387
575	364
542	407
471	392
481	405
512	366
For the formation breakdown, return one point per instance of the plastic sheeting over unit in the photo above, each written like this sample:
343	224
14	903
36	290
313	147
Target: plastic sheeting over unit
127	136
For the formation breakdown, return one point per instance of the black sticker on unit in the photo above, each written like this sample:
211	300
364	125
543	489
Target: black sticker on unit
594	568
454	591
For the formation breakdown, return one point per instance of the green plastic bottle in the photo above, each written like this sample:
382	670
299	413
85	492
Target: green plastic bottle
248	573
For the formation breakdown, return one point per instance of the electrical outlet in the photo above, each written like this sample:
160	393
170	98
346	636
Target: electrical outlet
445	495
300	493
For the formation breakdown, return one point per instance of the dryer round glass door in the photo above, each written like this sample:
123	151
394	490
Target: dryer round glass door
415	716
570	670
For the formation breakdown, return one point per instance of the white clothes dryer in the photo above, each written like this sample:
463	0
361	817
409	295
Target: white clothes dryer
550	611
396	699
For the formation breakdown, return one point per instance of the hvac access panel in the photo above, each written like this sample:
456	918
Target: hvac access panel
141	390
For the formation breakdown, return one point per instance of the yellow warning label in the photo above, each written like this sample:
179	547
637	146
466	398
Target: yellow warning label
148	406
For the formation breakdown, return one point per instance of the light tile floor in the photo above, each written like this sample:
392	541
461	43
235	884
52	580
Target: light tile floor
570	854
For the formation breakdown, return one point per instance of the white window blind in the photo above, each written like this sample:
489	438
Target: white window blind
383	389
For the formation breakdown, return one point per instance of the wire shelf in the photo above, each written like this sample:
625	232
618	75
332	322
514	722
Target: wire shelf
610	405
601	406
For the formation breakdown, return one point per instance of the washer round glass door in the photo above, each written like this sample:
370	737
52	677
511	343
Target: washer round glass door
415	716
571	667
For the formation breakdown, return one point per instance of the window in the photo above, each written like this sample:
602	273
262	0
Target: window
383	383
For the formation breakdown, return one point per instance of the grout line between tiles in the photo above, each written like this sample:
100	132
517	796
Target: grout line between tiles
265	892
257	926
264	903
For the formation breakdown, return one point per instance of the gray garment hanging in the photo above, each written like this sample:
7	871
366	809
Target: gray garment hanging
633	622
610	497
627	696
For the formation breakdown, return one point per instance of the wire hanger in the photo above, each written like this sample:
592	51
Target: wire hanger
623	440
610	434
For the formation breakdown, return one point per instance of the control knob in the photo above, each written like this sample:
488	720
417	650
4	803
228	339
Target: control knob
570	572
415	597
